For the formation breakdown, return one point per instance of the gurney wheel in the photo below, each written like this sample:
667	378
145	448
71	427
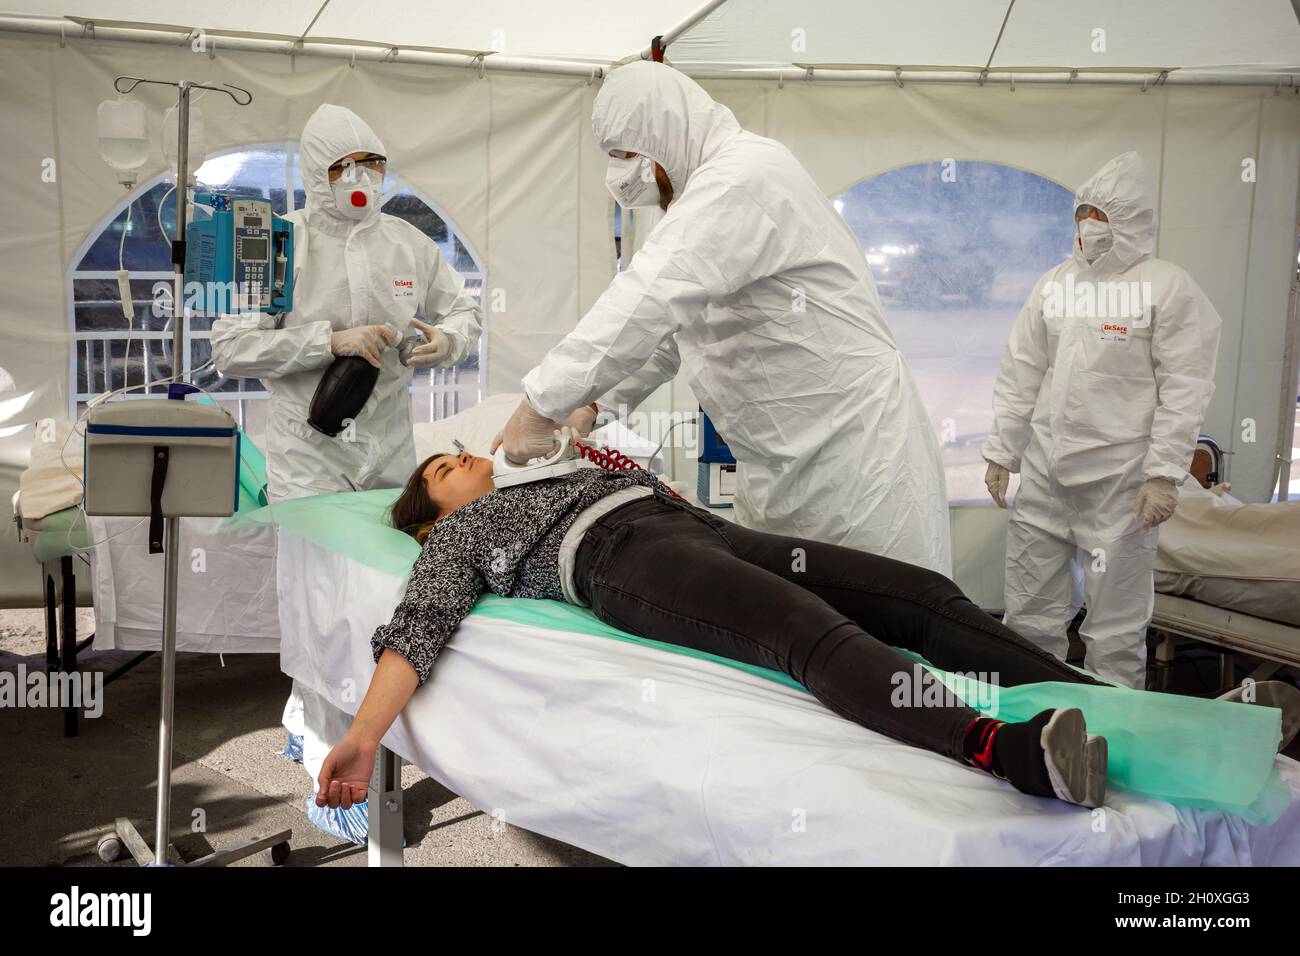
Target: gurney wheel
109	847
278	853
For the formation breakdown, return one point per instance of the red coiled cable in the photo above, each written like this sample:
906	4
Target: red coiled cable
612	459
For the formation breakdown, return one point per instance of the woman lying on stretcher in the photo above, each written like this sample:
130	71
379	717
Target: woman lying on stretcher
647	563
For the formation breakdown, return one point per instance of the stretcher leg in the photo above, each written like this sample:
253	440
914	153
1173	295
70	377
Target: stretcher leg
68	600
1165	651
51	619
1227	671
385	825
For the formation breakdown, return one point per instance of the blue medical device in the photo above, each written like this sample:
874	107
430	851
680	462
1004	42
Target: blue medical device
716	486
240	258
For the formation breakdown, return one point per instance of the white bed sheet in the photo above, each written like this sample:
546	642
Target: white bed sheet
648	757
225	588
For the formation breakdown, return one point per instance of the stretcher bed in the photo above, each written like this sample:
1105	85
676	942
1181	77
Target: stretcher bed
1228	574
650	757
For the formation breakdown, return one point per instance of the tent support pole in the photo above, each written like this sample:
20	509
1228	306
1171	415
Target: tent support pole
1282	81
666	39
1290	372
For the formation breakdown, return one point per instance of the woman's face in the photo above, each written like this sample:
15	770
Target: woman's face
456	480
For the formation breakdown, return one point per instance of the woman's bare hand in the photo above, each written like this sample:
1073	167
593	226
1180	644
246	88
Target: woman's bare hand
345	775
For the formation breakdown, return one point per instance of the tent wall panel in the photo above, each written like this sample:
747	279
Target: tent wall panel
496	154
511	161
1237	239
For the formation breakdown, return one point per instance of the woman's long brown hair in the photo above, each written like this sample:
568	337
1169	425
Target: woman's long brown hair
414	511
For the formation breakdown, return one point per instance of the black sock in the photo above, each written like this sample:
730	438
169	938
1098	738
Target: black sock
1018	755
979	746
1013	752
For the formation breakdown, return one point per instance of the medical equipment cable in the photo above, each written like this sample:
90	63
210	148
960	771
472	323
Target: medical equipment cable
611	459
663	441
162	202
124	293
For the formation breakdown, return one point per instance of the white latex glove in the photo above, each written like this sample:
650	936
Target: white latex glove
577	425
997	479
367	341
432	350
1156	501
581	420
529	434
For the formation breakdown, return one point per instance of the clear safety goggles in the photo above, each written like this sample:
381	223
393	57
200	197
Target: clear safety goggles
378	163
1084	211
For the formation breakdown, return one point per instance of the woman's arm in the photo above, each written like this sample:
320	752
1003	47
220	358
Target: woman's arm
439	593
345	775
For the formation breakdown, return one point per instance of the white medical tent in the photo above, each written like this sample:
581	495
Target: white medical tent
485	108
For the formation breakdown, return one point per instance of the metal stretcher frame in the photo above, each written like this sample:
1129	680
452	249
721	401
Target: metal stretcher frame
1176	618
1179	618
59	596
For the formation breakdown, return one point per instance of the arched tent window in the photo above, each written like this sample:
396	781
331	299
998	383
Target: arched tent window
106	356
955	248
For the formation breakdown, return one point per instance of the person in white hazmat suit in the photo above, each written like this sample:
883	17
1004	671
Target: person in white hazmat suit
361	280
1098	401
753	284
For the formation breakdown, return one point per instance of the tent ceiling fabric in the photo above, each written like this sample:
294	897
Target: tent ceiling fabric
773	33
1259	35
591	30
1160	34
1188	34
587	30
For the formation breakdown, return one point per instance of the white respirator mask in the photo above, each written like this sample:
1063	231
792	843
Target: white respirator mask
356	199
631	182
1095	238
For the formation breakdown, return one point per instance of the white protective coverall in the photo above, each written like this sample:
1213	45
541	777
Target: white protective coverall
346	273
1089	403
754	285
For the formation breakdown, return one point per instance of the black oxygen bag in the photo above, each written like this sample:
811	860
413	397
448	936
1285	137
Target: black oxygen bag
341	394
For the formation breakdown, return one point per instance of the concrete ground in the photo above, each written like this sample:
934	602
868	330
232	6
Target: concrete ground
229	781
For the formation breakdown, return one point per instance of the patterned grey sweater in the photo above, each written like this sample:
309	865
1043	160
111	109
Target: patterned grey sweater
507	542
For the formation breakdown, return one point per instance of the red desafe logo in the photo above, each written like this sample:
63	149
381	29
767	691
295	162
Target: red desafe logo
1121	329
403	285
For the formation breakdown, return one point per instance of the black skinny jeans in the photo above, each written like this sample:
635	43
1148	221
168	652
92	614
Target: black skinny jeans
828	616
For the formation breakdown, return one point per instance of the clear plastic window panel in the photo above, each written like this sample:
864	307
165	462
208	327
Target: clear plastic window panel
955	249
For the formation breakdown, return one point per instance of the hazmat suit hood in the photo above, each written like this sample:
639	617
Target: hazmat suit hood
331	133
1119	189
652	109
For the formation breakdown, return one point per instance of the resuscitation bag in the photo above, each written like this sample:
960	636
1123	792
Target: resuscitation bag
341	393
1210	754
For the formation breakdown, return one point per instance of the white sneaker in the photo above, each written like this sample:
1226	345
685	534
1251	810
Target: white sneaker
1076	759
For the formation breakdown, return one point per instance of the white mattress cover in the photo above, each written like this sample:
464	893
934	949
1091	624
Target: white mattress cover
225	595
648	757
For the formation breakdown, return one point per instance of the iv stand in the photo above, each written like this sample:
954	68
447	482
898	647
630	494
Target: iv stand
125	834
